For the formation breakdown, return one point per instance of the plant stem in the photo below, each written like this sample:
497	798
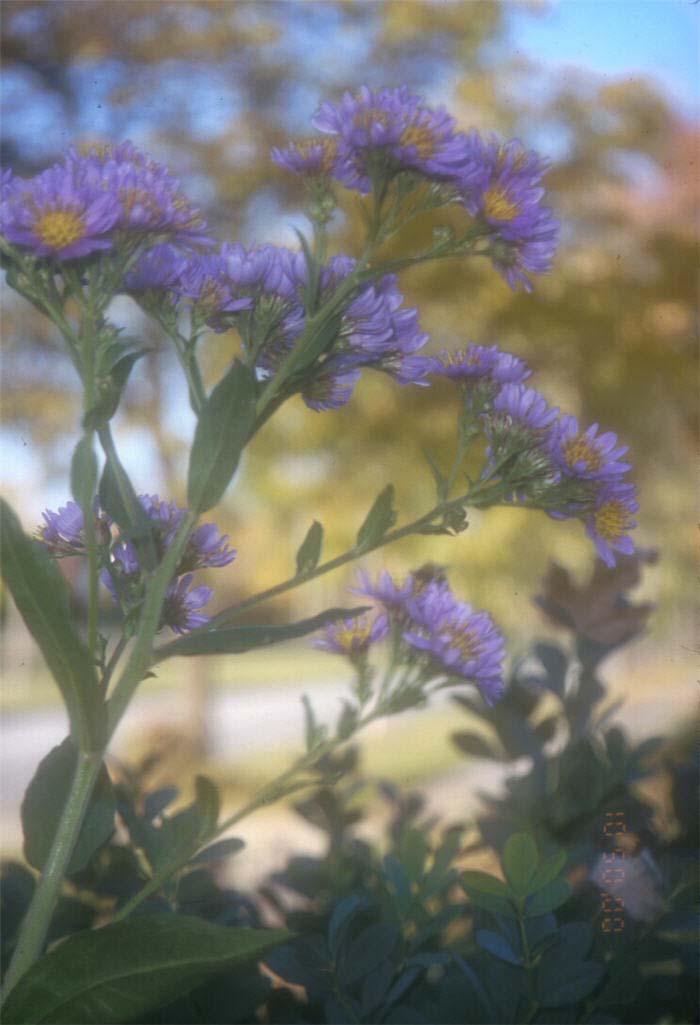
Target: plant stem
527	965
270	792
36	922
476	497
140	657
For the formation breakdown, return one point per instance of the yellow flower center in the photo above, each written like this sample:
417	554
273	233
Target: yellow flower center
329	151
612	519
354	636
132	197
579	450
499	205
367	118
421	137
465	644
59	228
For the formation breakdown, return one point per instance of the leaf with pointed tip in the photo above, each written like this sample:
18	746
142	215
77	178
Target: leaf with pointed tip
43	804
379	519
520	861
223	429
236	639
473	744
83	472
438	476
218	851
121	503
489	893
310	550
41	596
118	973
208	803
110	391
547	899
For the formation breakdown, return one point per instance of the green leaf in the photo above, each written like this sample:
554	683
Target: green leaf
497	945
380	518
310	550
207	802
438	476
41	596
110	391
236	639
43	804
489	893
223	429
314	732
548	898
556	986
121	503
473	744
83	472
547	870
520	862
117	973
218	851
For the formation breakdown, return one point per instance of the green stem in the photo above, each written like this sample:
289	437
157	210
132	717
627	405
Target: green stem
140	657
528	966
114	659
36	922
270	792
185	350
476	497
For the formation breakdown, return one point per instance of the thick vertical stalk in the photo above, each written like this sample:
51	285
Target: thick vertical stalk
36	922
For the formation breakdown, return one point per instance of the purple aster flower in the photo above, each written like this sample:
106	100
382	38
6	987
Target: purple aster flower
376	331
64	530
317	157
157	270
205	283
331	388
55	215
180	611
459	640
509	200
611	519
587	455
353	637
385	590
392	130
521	407
272	270
206	548
5	181
150	198
478	362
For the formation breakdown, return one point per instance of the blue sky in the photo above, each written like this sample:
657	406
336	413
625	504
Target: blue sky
659	38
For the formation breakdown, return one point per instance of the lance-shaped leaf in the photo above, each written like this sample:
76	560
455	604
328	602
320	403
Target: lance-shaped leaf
83	472
236	639
380	518
110	390
118	973
520	861
43	805
41	595
121	503
223	428
310	550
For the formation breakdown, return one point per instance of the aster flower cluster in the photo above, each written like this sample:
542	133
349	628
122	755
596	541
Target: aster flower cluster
371	137
546	456
90	202
435	634
262	291
63	534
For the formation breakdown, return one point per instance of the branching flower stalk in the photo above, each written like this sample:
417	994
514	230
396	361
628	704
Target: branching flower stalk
112	221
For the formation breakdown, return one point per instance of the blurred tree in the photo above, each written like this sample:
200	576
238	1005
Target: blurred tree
209	87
